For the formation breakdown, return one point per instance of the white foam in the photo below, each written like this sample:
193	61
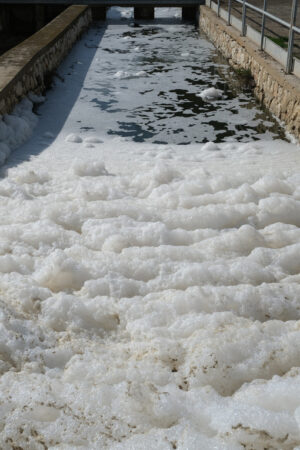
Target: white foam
211	94
93	140
111	283
17	127
210	146
86	168
121	74
148	302
75	138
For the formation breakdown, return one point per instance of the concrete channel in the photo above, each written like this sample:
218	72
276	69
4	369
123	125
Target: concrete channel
27	67
278	91
149	284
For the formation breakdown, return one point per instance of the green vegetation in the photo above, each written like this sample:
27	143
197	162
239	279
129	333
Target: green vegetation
244	73
282	41
245	77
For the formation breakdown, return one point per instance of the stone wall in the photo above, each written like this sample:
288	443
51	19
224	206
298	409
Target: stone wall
27	67
279	92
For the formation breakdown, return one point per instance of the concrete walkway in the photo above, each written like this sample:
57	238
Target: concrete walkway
273	29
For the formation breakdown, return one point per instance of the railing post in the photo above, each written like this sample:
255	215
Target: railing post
263	24
229	12
219	6
244	19
289	62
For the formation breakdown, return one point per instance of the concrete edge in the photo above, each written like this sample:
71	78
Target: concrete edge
274	50
278	91
23	69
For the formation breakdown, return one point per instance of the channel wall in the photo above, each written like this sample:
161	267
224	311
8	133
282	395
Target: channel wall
29	66
278	91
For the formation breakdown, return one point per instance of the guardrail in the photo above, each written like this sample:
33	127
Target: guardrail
291	26
108	3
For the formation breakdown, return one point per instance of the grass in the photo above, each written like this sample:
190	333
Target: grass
244	73
282	41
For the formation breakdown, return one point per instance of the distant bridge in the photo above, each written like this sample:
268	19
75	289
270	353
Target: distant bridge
107	3
143	9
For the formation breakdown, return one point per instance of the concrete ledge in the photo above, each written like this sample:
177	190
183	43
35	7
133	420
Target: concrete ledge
25	68
278	91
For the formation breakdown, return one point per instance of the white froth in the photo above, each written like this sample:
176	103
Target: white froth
75	138
157	306
17	127
211	94
149	294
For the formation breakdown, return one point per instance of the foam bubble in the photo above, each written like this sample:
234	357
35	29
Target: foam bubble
211	94
75	138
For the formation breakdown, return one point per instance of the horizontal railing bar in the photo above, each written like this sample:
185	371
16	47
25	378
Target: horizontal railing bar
155	3
269	15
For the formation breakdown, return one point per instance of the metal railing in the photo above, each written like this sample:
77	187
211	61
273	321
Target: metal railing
291	26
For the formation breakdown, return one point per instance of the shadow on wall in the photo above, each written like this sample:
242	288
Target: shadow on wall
23	18
75	66
18	22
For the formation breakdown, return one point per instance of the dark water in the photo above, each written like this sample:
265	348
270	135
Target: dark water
147	83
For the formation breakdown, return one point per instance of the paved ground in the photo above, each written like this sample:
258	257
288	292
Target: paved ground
280	8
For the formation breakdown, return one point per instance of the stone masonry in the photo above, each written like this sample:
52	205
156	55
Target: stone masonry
26	67
279	92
